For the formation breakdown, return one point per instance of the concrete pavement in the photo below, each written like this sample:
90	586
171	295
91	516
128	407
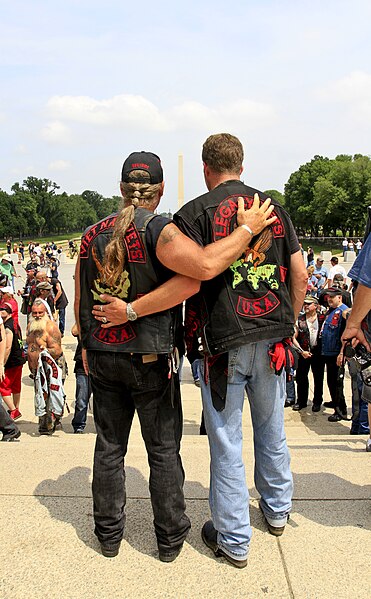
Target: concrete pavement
48	547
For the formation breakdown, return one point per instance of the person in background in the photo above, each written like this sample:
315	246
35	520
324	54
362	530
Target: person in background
60	302
308	343
321	273
8	427
310	256
336	269
331	332
7	268
358	326
83	388
10	386
21	249
312	281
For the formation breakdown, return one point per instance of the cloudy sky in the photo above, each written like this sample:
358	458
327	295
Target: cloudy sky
86	82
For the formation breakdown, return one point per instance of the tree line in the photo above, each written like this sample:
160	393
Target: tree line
329	195
323	197
35	209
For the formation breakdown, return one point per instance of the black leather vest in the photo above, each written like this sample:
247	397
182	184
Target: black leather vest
150	334
249	301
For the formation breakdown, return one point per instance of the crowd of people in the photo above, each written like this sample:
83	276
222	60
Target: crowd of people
317	340
257	316
44	302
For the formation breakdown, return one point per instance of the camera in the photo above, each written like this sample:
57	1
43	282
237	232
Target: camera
362	358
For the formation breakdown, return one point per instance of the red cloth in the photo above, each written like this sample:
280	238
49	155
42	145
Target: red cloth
12	381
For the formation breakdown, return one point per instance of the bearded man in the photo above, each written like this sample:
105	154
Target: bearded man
44	360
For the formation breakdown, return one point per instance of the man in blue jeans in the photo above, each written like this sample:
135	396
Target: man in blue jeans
241	314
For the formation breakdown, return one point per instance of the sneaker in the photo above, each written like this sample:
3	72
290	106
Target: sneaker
197	382
169	556
12	436
15	414
289	403
110	550
209	536
368	445
78	432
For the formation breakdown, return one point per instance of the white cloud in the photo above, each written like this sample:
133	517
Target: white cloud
59	165
56	132
128	110
21	149
136	111
241	114
354	91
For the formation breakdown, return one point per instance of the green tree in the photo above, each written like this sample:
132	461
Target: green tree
276	195
299	193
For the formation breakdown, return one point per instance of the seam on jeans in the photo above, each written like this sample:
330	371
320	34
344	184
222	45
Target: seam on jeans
232	360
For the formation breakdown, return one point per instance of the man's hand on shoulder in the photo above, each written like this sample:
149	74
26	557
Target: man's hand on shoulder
258	216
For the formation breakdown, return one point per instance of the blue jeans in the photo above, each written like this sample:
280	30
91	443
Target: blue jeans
290	387
123	384
82	396
229	496
195	366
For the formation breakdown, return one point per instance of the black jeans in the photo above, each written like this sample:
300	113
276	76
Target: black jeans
317	364
332	375
122	383
7	425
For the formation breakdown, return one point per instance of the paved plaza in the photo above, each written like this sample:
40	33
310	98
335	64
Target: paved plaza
48	547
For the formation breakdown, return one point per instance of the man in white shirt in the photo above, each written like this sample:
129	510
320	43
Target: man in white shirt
336	269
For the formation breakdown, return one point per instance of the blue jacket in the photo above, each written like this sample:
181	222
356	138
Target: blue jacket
332	330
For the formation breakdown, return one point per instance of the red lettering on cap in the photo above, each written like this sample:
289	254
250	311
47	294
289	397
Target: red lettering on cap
139	165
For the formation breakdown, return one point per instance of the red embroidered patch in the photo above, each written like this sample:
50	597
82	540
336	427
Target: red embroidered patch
134	245
253	308
228	208
115	335
89	237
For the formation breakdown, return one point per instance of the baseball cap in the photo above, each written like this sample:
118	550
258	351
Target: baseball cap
7	307
334	291
7	289
142	161
309	299
7	257
320	259
44	285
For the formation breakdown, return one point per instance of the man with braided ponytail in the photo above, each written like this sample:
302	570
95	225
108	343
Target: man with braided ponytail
132	338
